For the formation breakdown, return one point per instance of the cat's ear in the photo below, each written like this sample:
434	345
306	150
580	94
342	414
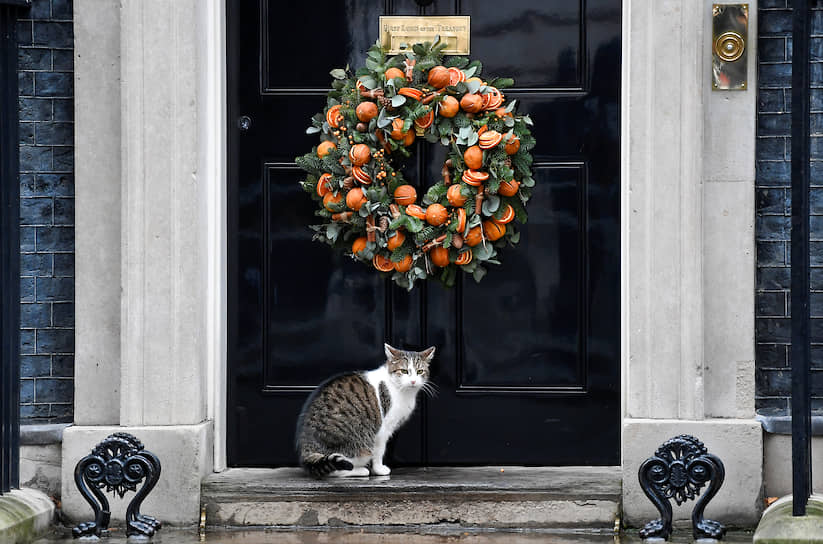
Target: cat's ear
392	354
428	354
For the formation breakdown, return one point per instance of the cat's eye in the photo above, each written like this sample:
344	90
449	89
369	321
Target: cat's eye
404	371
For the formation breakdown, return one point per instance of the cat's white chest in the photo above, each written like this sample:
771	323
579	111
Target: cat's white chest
402	402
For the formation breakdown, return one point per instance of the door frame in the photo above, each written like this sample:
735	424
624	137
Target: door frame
214	153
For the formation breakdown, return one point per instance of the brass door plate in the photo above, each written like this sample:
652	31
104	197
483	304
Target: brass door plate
398	34
730	35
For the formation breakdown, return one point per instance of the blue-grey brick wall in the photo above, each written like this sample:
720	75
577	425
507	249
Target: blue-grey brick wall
46	110
773	204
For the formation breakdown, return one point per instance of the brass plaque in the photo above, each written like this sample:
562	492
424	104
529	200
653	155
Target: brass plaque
730	29
398	34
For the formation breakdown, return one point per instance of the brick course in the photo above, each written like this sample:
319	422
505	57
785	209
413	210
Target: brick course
773	204
46	112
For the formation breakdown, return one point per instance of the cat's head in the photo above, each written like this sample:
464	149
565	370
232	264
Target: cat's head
408	368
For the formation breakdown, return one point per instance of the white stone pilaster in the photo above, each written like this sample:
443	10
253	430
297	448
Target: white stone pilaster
663	146
97	212
144	213
163	232
688	254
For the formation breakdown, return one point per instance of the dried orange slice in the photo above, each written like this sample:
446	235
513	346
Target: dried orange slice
416	211
425	121
323	185
456	75
489	139
410	92
334	117
361	175
492	98
464	258
506	217
475	177
382	263
461	219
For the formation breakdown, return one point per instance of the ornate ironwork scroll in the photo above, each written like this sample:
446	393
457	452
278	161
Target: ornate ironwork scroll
117	464
678	470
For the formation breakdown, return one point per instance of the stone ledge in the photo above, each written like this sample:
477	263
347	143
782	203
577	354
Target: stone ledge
42	435
778	526
24	515
479	497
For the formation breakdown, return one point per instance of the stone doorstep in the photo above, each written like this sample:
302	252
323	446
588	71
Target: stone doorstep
24	515
482	497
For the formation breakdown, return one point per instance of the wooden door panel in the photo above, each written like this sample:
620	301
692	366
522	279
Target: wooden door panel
525	357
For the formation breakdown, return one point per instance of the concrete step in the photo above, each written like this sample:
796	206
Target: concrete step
476	497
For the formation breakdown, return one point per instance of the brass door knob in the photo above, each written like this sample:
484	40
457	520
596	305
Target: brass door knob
729	46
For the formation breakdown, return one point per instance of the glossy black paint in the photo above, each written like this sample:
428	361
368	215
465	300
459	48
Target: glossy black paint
528	360
9	252
801	255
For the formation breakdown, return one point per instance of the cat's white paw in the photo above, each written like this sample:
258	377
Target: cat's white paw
380	470
355	472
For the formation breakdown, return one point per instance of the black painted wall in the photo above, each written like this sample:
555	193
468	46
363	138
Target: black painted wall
773	202
46	109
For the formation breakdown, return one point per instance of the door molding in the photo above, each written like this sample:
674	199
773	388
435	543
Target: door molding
212	163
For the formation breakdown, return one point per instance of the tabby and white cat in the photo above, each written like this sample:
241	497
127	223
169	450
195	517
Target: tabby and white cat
347	421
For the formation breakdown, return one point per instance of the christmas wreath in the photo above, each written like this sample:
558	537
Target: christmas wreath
372	212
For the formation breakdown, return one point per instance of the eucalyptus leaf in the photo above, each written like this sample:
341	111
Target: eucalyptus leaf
509	122
372	64
470	71
472	139
338	73
383	120
491	204
465	131
515	238
528	182
312	130
484	251
368	82
528	120
333	231
398	100
473	86
479	273
444	140
511	106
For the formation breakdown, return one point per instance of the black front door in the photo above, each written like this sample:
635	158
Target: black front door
528	360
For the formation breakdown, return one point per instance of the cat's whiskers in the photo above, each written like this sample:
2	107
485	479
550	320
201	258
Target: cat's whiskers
430	389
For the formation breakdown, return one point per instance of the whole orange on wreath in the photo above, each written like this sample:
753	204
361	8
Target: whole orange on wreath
367	206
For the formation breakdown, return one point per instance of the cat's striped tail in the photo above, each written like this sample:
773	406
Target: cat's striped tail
319	465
